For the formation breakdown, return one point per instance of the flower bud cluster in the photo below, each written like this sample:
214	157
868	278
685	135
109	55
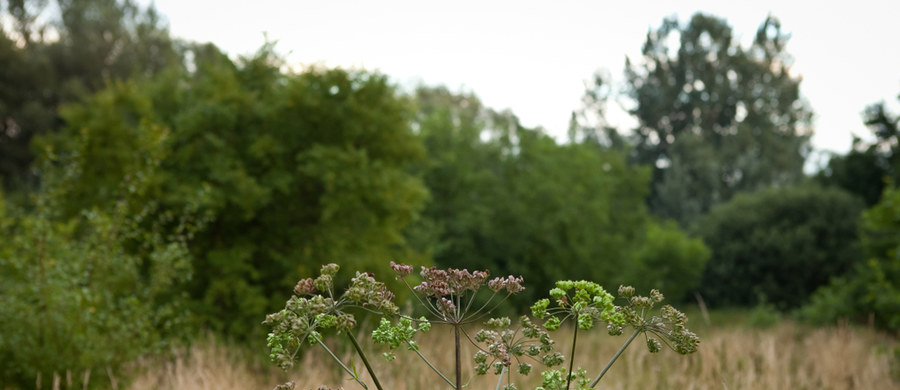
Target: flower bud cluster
402	270
510	284
438	283
505	346
557	379
364	290
314	308
445	289
305	287
669	326
402	333
581	300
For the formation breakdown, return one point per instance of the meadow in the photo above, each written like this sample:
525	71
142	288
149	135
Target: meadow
732	356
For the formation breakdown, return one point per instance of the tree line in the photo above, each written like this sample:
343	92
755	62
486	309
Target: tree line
153	187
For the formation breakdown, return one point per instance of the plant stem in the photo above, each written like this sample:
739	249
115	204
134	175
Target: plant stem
613	360
362	356
339	362
500	378
433	368
458	360
572	357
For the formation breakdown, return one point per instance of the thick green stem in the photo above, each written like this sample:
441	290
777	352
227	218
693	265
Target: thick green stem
362	356
613	360
339	362
458	360
572	357
433	368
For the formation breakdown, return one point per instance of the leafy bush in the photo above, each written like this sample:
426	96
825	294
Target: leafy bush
779	245
295	169
93	290
669	260
871	291
510	198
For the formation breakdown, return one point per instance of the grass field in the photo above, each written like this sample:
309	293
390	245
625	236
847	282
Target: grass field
732	357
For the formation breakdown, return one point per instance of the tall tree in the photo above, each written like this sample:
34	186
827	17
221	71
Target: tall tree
294	170
511	199
93	289
92	42
715	118
869	166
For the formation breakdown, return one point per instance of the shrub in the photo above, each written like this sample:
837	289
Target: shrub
871	292
779	244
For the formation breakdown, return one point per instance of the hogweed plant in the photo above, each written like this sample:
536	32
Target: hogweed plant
449	297
504	345
458	299
586	302
315	307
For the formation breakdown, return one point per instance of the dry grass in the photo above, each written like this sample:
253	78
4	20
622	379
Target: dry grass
784	357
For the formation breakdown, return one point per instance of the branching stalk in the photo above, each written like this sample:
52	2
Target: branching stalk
339	362
572	357
458	359
433	368
500	378
613	360
362	356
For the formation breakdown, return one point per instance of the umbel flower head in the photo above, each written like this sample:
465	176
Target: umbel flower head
449	294
669	327
583	301
501	347
316	307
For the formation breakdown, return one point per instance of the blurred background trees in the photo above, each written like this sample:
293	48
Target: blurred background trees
53	53
511	199
292	170
714	118
779	245
153	188
869	167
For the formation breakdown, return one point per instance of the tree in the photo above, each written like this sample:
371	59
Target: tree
868	167
97	41
779	245
714	118
511	199
870	292
294	170
667	260
93	290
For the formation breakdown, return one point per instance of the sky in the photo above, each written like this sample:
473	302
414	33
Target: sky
534	57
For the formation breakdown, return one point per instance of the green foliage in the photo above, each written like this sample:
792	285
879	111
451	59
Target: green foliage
866	169
293	169
764	315
871	291
779	245
714	118
510	198
448	296
316	307
92	290
96	41
668	259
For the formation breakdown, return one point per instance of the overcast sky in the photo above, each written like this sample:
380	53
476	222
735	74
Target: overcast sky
534	57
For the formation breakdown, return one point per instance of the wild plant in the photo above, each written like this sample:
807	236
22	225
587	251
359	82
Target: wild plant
458	299
586	302
450	297
315	307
